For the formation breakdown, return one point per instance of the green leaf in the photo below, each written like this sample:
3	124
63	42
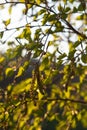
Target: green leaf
10	43
9	72
20	71
60	8
26	65
10	10
7	22
51	17
38	1
84	58
80	7
75	10
22	86
71	1
67	9
1	34
37	53
62	56
71	54
42	11
76	44
45	19
79	17
2	59
26	33
59	29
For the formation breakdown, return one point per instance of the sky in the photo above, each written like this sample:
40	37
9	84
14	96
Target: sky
18	20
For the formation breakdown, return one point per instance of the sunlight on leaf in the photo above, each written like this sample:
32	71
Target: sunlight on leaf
2	59
7	22
9	72
20	72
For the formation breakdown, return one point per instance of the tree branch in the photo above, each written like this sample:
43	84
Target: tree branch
67	100
73	29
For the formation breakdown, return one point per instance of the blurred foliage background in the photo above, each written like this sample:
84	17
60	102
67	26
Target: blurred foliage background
43	67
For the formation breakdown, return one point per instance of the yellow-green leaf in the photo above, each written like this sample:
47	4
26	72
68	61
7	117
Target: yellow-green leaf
2	59
26	65
9	72
10	10
84	58
7	22
20	72
38	1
